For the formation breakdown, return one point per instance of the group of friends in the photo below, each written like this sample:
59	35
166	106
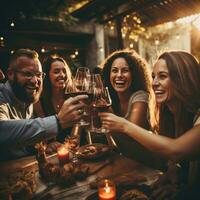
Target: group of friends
159	110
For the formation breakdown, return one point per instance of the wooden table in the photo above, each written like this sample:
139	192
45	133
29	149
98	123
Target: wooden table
117	166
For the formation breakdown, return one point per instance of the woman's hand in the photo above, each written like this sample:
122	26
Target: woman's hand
113	122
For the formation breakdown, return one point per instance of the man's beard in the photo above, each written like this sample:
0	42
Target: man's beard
21	93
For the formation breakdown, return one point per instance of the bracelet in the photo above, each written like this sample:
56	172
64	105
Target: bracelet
58	123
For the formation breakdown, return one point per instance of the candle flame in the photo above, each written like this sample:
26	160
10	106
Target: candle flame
107	189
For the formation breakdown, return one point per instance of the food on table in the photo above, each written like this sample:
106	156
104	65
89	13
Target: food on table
22	184
70	173
64	175
41	152
92	150
134	194
72	142
65	178
123	180
68	167
129	178
49	171
80	172
21	190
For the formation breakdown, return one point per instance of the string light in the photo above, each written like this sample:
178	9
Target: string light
157	42
131	45
73	56
43	50
2	42
101	49
76	53
12	24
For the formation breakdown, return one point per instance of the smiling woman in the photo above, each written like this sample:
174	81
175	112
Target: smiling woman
53	96
127	76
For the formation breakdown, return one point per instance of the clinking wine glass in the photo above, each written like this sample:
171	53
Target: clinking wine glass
95	88
81	82
101	103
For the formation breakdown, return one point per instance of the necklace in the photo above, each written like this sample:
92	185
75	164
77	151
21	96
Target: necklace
57	106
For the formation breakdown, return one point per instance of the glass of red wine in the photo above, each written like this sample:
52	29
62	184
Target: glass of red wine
82	83
101	103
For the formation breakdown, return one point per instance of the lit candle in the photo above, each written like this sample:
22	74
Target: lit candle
63	155
107	190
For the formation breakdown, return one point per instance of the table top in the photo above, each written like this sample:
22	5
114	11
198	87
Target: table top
111	166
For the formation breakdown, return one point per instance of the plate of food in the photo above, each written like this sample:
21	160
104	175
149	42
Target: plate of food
92	151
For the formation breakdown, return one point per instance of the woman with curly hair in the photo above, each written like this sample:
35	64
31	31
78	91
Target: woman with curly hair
127	77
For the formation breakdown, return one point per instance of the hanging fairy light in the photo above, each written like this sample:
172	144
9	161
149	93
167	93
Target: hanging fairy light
12	24
131	45
157	42
76	52
73	56
110	25
132	27
43	50
2	42
177	37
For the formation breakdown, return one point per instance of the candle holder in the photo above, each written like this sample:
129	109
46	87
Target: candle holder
63	155
106	190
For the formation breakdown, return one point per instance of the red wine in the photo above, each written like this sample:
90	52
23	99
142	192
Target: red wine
90	97
73	94
101	107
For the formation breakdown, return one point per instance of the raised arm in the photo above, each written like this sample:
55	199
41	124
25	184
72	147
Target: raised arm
178	149
26	131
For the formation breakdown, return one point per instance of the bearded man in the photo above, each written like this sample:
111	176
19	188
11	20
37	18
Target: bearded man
18	129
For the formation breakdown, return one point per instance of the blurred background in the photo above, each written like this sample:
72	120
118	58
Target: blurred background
84	32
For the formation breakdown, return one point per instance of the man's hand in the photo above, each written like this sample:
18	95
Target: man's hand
71	111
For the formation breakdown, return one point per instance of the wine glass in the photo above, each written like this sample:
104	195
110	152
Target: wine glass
79	85
81	81
70	89
102	102
95	88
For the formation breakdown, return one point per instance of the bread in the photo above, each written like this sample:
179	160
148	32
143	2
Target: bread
134	194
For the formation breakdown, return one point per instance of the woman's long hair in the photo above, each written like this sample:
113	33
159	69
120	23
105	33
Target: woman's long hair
184	73
138	68
47	86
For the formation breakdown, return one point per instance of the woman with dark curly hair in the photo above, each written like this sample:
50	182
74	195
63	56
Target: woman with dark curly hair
127	77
